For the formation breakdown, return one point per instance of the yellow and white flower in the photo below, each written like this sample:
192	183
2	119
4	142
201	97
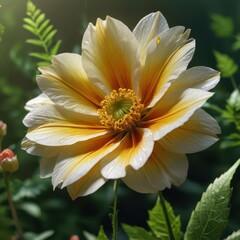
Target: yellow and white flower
127	108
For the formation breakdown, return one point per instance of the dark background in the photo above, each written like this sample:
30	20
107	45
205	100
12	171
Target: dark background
17	85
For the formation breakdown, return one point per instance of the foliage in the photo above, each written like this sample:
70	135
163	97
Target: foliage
1	31
157	224
44	32
210	216
234	236
222	26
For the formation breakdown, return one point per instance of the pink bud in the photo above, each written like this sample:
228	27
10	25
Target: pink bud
3	129
74	237
8	161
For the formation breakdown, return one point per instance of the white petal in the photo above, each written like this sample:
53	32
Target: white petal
197	77
197	134
133	151
38	101
149	27
163	169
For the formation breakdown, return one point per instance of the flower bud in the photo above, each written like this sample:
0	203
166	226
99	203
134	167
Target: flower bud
3	129
8	161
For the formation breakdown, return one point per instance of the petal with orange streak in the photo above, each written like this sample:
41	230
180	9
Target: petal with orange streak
110	56
88	184
173	110
197	134
55	126
134	150
66	84
148	28
167	56
78	159
163	169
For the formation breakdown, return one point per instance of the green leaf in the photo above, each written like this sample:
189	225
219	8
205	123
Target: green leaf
211	214
234	100
41	236
31	7
50	36
89	236
36	14
234	236
35	42
222	26
30	22
41	56
158	225
46	31
30	29
43	25
101	234
2	28
56	47
137	233
40	18
225	64
236	44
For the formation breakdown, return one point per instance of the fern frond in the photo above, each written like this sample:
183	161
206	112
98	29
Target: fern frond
43	32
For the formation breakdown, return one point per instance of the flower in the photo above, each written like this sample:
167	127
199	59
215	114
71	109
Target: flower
3	129
8	161
127	108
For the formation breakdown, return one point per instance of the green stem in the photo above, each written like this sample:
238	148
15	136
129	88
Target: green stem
115	211
11	206
234	83
162	202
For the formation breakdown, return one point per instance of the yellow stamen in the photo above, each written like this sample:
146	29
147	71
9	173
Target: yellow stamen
121	110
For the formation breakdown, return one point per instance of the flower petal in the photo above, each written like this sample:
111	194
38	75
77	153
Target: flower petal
197	134
55	126
204	78
148	28
110	55
66	84
133	151
88	184
167	56
173	110
38	101
163	169
76	161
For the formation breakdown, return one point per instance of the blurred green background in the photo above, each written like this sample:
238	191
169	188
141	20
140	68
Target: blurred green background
56	210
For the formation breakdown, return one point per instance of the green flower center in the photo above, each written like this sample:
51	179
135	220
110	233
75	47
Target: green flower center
121	110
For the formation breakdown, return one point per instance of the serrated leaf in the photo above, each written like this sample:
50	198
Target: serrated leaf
35	42
30	29
50	36
222	26
55	48
234	236
41	56
101	234
211	214
137	233
40	18
225	64
158	225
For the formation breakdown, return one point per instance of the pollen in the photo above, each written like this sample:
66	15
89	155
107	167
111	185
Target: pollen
121	110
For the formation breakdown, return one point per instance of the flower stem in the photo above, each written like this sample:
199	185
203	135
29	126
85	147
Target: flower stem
11	206
162	202
115	211
234	83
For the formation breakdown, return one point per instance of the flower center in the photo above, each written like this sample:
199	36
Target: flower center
121	110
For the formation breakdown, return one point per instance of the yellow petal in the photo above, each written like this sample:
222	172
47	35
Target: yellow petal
164	62
88	184
110	56
173	110
78	159
197	134
133	151
55	126
66	84
163	169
